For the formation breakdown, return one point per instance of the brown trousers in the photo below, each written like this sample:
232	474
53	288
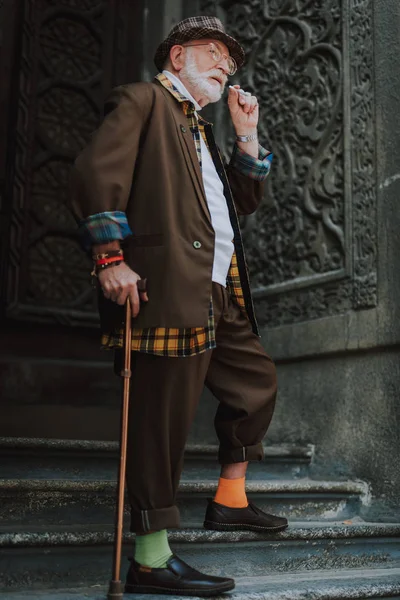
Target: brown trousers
164	396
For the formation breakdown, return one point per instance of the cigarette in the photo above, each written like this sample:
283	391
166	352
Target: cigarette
240	91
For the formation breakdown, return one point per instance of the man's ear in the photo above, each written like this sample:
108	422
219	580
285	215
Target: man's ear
176	56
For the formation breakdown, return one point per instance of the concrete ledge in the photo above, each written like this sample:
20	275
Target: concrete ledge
356	584
321	585
299	486
88	536
81	555
305	451
351	332
43	501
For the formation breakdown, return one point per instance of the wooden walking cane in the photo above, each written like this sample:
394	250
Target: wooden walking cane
115	591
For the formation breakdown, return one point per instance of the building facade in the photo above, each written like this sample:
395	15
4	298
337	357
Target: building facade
323	249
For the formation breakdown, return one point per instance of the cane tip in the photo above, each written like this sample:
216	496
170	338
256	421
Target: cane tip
115	591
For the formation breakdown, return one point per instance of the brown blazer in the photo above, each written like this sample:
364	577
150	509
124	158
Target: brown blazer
142	160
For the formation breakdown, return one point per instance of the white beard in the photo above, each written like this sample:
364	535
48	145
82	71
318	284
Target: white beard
199	81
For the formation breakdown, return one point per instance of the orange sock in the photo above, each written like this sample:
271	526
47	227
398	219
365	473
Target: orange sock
231	492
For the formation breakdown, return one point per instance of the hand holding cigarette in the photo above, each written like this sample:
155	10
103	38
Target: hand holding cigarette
244	110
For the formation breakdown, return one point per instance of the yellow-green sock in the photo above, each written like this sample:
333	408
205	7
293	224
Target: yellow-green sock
152	549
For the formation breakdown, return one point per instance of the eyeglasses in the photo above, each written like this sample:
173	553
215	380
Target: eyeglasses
218	56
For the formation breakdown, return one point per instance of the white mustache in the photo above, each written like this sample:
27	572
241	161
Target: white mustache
216	73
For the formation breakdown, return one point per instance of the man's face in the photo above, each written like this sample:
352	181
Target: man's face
202	74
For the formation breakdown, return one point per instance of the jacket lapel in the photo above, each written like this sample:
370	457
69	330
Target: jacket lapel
188	148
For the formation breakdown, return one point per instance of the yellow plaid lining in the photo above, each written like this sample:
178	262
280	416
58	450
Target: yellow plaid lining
173	341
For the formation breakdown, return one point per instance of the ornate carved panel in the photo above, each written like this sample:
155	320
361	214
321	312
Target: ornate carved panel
72	53
311	246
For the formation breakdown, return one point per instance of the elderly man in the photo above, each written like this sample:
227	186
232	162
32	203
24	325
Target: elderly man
158	208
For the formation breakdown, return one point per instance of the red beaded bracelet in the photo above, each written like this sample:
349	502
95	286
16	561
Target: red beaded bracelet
106	261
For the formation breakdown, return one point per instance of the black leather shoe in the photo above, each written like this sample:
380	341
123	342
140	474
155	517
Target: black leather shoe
177	578
250	518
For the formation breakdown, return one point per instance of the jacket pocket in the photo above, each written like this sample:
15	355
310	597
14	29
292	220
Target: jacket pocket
151	239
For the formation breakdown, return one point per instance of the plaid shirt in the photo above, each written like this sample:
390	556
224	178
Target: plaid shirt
105	227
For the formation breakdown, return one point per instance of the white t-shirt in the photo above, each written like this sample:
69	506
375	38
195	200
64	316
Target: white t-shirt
215	199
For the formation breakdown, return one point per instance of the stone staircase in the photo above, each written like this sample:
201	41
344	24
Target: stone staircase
57	508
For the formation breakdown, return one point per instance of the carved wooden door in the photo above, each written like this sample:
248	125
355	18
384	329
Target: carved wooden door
62	58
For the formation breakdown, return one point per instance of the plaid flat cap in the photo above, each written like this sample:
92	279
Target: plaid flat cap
195	28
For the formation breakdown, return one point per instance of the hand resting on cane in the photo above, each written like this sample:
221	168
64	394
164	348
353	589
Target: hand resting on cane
120	282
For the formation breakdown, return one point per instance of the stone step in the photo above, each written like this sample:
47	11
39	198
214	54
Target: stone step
42	558
55	459
297	499
72	501
266	588
344	585
303	586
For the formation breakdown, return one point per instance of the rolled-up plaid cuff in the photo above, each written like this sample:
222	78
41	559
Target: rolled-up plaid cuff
104	227
255	168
